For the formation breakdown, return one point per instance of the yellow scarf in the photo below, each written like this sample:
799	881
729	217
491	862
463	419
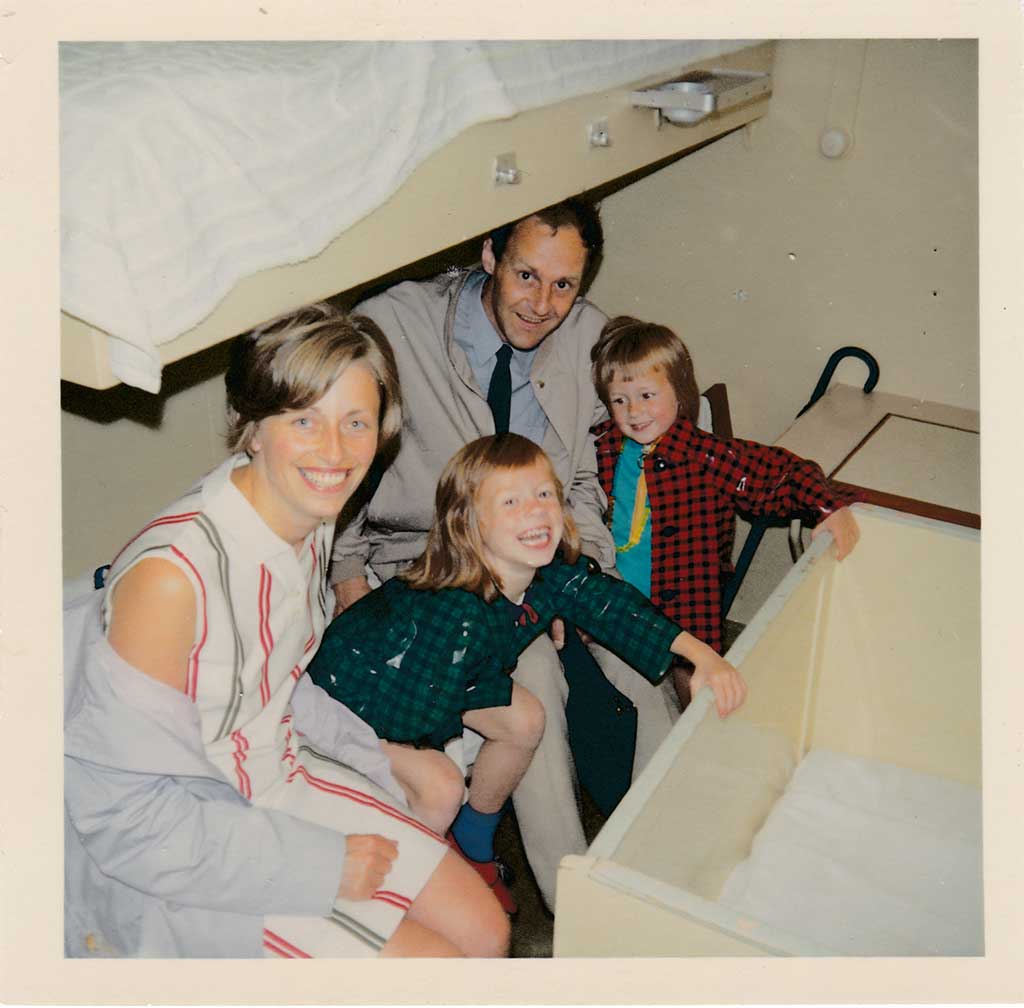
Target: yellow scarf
641	508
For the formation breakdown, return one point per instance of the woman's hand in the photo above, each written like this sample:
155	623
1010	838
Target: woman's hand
368	859
725	681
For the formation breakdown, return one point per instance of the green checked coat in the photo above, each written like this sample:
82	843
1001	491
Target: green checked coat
410	662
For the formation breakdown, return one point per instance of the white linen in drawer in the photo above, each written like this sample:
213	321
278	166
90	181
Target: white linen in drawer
868	858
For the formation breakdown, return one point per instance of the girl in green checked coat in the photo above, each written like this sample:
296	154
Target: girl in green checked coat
432	650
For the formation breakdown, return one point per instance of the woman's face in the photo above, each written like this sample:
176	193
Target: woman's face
307	463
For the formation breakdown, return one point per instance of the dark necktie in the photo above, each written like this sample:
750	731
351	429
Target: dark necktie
499	392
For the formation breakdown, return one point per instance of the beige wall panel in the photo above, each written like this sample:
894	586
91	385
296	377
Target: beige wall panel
119	470
766	256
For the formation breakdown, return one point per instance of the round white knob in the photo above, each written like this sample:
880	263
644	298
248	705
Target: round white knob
834	142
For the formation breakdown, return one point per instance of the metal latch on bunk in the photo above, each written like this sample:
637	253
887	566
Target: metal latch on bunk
505	170
693	97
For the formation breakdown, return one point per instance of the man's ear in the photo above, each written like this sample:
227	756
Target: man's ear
487	256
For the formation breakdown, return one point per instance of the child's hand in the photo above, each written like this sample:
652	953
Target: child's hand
844	529
725	681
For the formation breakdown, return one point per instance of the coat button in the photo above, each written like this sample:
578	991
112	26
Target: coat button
668	594
660	464
669	530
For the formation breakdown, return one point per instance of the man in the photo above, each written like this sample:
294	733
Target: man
449	335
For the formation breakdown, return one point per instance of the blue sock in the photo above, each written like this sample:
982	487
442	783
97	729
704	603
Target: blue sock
474	832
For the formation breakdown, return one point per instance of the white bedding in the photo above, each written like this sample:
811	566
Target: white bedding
868	859
187	166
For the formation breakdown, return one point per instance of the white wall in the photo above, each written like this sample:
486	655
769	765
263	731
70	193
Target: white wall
824	253
765	256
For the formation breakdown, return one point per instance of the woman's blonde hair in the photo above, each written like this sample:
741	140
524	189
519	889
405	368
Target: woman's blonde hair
454	557
628	346
292	360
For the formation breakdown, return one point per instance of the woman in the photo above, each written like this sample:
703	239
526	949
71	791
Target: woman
206	811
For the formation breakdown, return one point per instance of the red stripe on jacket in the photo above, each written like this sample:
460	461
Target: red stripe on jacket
393	898
360	798
282	947
266	636
192	681
240	755
175	519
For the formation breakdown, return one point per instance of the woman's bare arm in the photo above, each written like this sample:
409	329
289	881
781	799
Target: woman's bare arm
153	622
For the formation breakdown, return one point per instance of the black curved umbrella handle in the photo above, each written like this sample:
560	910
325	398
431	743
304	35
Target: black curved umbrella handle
830	368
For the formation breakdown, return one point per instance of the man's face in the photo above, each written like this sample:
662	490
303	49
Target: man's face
530	291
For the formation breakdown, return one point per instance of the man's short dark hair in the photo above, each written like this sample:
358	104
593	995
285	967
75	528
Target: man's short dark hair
577	212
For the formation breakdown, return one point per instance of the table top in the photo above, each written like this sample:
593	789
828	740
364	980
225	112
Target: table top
909	454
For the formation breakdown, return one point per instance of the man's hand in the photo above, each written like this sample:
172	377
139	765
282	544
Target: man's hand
368	859
557	633
844	529
349	591
725	681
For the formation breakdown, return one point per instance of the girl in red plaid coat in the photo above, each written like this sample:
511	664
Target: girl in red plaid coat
673	489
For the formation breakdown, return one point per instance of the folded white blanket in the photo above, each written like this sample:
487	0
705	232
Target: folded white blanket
868	859
187	166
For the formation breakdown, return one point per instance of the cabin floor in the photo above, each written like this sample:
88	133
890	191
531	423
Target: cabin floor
533	927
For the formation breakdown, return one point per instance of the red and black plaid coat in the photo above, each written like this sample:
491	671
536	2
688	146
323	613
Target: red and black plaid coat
696	482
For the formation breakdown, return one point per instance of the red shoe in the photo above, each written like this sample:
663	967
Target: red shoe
494	873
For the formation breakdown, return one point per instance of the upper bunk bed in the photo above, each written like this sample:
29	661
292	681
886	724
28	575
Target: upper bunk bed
207	187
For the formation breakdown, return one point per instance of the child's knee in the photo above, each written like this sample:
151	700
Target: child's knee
436	791
530	719
445	787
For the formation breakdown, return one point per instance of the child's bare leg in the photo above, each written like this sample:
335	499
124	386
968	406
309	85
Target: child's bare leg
433	784
511	736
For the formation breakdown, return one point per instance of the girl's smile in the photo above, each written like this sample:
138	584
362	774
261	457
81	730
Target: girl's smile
519	515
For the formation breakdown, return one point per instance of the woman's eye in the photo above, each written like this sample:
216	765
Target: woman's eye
303	422
564	285
358	425
648	395
525	275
